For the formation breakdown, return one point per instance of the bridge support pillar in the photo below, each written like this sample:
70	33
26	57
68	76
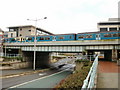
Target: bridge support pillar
114	55
28	57
118	54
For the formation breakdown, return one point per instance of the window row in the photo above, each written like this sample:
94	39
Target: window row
44	38
105	35
110	29
112	35
47	38
85	36
62	37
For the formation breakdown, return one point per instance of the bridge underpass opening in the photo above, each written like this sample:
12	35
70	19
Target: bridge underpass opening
118	54
104	55
57	56
42	59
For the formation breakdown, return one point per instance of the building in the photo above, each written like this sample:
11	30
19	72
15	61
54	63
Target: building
1	40
26	30
5	34
113	24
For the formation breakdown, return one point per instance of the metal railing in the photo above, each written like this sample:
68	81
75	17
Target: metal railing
90	57
89	82
9	55
1	54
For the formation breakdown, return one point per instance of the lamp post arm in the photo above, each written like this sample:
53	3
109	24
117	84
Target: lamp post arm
34	61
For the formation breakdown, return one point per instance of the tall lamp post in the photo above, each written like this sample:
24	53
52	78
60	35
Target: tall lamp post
35	39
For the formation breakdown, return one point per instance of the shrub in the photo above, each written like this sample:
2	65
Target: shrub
13	58
75	81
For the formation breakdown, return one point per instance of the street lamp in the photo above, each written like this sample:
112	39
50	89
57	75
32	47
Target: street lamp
35	39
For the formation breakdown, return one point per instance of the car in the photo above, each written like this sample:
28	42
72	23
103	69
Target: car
68	67
60	66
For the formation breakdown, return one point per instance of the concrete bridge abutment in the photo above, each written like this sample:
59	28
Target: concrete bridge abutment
42	59
114	55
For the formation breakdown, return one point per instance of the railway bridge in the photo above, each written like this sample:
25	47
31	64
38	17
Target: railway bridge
108	49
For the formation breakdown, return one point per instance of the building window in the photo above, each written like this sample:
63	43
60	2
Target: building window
11	34
119	28
5	36
103	29
11	30
113	29
16	29
23	39
20	29
29	30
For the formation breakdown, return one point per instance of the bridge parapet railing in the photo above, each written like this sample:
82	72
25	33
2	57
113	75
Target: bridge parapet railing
89	82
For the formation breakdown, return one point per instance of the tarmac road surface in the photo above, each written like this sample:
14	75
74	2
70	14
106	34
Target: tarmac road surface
8	82
44	82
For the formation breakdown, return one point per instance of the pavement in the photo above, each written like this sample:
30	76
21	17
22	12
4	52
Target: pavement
19	72
15	71
108	75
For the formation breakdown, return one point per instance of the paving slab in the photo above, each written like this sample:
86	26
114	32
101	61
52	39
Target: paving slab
107	80
108	75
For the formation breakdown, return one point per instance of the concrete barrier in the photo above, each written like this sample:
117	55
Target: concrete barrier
17	65
1	59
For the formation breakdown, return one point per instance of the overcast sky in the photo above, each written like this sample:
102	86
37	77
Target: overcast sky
63	16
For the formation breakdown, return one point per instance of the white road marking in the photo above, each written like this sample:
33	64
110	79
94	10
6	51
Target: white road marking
41	74
35	80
